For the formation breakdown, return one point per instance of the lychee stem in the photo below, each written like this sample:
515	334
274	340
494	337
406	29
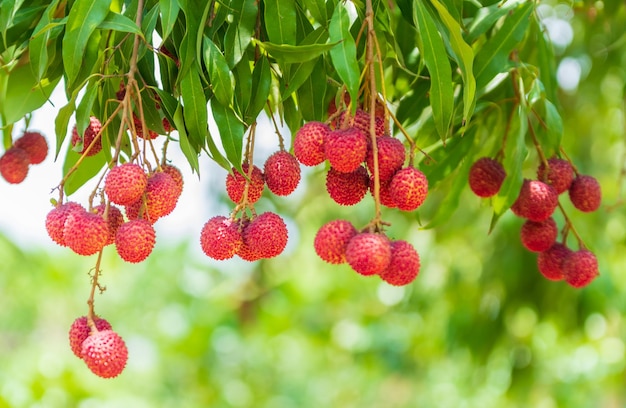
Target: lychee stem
281	142
94	285
569	226
542	156
569	160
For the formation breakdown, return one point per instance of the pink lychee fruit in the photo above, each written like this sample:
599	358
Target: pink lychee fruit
391	156
308	144
559	174
486	177
282	173
114	219
135	240
347	188
220	238
88	137
124	184
85	233
34	144
580	268
408	188
236	184
266	235
369	253
332	239
55	220
79	331
404	265
585	193
536	201
105	353
14	165
539	236
346	149
385	196
550	262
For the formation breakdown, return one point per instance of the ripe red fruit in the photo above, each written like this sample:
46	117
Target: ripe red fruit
79	331
580	268
167	126
550	262
124	184
585	193
391	156
134	240
176	175
282	173
408	188
361	121
14	165
140	131
385	196
55	220
559	174
114	220
332	239
346	149
486	177
220	238
248	251
539	236
236	183
347	188
105	353
85	233
266	235
404	265
90	134
161	196
536	201
369	253
34	144
308	144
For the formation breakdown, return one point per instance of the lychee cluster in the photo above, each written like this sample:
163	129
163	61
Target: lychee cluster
91	140
30	148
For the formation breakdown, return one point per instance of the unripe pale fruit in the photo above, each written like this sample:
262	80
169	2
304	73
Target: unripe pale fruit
332	239
135	240
35	145
408	188
559	175
236	183
404	265
369	253
220	238
347	188
114	220
346	149
79	331
308	144
105	354
55	220
550	262
585	193
391	157
536	201
282	173
14	165
85	233
266	235
124	184
486	177
385	196
91	131
539	236
580	268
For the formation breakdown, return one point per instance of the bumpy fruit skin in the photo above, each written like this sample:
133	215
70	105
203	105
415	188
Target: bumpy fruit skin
580	268
346	149
404	265
176	175
282	173
332	239
266	235
385	196
368	253
236	183
14	165
79	331
90	133
161	196
486	177
114	220
124	184
536	201
139	129
55	220
391	157
550	262
85	233
308	144
361	121
135	240
559	175
585	193
105	354
347	188
539	236
220	238
35	145
408	188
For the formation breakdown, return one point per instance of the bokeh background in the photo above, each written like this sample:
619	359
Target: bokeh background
480	327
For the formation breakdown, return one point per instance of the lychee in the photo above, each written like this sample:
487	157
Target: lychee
85	233
308	144
536	201
559	174
369	253
585	193
220	238
346	149
114	219
486	176
550	262
347	188
134	240
282	173
266	235
55	220
34	144
408	188
90	134
176	175
80	330
580	268
161	196
151	134
105	353
332	239
361	121
14	165
539	236
385	196
236	184
125	183
391	156
404	265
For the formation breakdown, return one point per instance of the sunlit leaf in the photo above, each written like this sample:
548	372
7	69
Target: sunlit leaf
195	111
169	13
119	22
219	72
343	55
280	16
240	31
231	132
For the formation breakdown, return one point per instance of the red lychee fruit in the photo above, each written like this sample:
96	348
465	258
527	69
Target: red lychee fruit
236	183
79	331
176	175
151	134
361	121
220	238
88	137
486	177
161	196
369	253
332	239
114	219
550	262
559	174
134	240
585	193
385	196
14	165
347	188
35	145
580	268
391	156
266	235
167	126
105	353
408	188
536	201
404	265
346	149
55	220
282	173
124	184
308	144
85	233
539	236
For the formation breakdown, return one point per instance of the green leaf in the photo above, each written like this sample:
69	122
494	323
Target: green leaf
343	55
312	94
231	132
280	21
219	73
289	54
188	150
240	31
119	22
195	111
554	128
298	73
89	167
486	17
39	42
317	8
169	14
261	84
61	122
243	86
83	111
436	60
546	62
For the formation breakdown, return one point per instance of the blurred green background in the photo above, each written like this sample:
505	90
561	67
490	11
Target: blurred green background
480	327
